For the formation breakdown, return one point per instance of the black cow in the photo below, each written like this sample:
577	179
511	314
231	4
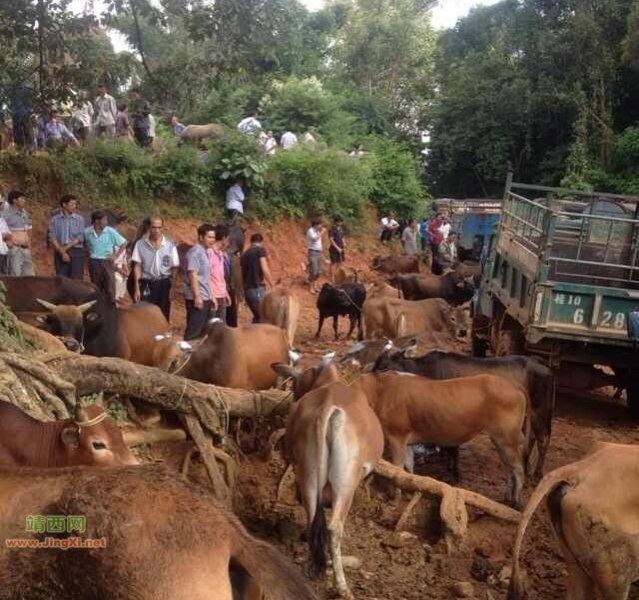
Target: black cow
531	374
341	300
452	287
100	335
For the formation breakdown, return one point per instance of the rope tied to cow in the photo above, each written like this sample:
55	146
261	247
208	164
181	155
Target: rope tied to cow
103	415
359	308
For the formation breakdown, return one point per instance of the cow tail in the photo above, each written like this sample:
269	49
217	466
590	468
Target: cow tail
318	533
564	475
255	561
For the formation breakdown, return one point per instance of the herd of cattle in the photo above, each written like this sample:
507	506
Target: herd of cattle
335	435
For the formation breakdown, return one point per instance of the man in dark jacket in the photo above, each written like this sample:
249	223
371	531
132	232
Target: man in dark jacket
139	111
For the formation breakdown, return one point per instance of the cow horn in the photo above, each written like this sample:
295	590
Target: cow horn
86	306
48	305
81	417
294	357
326	359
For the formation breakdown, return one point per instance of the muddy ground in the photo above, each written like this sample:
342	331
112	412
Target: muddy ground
413	566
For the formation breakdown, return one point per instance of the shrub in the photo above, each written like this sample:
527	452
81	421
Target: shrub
305	180
235	155
396	177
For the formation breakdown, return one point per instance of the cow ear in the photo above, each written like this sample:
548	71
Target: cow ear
285	370
70	435
410	350
92	316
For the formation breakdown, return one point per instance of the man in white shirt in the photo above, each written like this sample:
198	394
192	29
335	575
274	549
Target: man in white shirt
444	228
289	139
314	244
388	226
269	143
105	112
235	201
309	137
250	125
409	238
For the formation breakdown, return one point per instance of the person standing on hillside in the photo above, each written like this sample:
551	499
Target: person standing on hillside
105	113
256	275
105	247
177	128
337	246
220	299
269	143
314	245
388	226
197	285
66	234
82	116
250	125
235	201
139	110
436	238
18	221
155	267
288	140
122	126
409	238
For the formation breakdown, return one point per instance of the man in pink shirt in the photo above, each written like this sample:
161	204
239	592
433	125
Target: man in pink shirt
220	298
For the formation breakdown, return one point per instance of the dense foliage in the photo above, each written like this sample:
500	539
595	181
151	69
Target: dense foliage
545	89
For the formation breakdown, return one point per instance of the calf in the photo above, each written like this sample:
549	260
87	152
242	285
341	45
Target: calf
280	307
451	286
380	289
333	440
414	409
394	317
90	438
238	357
346	275
533	376
165	538
396	264
594	510
341	300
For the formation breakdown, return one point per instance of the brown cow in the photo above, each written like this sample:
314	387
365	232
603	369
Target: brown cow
333	440
413	409
394	317
396	264
345	275
197	133
594	511
450	286
238	357
280	307
380	289
90	438
164	539
139	324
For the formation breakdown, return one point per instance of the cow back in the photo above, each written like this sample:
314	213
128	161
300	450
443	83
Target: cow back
138	326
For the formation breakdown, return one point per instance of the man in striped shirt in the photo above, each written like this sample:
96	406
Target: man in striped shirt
66	235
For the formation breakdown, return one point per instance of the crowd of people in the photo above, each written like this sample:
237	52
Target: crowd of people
78	119
437	242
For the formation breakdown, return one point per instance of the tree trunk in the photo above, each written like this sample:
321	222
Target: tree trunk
211	404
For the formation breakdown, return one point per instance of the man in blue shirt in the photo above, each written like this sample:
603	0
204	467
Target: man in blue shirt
57	132
197	285
66	235
176	127
105	246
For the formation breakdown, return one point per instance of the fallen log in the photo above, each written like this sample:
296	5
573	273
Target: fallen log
136	437
211	404
453	508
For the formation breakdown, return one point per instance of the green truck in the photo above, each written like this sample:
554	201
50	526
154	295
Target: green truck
560	279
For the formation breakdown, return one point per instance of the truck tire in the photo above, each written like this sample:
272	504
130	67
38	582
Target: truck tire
632	396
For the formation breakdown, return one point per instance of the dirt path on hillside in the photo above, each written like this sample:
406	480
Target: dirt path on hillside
414	567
